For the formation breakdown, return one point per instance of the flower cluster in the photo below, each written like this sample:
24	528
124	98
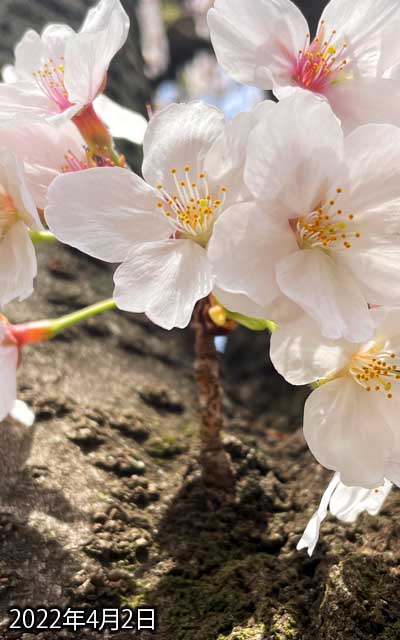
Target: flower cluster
289	213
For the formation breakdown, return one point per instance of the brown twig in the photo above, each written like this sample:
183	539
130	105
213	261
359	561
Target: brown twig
213	458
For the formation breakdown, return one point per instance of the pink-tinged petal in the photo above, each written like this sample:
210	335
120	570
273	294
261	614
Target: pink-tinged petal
121	122
290	161
43	148
246	244
360	24
44	145
88	54
22	102
346	432
365	100
103	211
257	45
310	536
8	379
328	293
18	265
164	280
302	356
177	136
13	180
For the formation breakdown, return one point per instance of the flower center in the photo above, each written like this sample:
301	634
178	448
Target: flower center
328	227
89	160
192	210
375	369
50	80
319	63
8	212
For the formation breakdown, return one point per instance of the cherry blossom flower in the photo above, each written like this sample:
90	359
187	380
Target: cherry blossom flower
322	230
267	43
351	418
48	151
159	228
59	72
346	504
18	214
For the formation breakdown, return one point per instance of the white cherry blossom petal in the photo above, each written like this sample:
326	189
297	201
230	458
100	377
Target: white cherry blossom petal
327	292
23	102
340	427
259	45
221	160
346	504
46	151
377	270
103	211
18	265
360	23
179	136
373	162
260	239
310	536
165	280
34	50
291	163
239	303
121	122
88	55
364	100
13	180
302	356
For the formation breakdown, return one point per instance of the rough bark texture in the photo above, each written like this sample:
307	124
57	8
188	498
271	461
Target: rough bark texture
101	503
